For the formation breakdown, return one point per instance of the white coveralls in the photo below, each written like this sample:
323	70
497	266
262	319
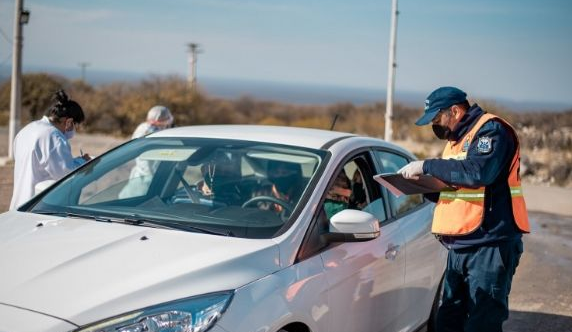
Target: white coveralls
144	129
41	152
141	173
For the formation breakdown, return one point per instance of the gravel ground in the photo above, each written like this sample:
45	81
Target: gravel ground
540	300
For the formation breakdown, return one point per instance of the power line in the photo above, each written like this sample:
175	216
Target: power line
3	62
5	36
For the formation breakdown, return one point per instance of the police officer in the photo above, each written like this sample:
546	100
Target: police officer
482	222
42	150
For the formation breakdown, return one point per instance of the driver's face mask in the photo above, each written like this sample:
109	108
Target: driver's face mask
332	207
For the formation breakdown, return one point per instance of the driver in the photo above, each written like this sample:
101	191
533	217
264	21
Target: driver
338	197
284	183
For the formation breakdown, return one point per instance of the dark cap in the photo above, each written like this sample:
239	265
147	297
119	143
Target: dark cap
438	100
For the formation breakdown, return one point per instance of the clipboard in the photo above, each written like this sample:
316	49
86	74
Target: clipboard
398	185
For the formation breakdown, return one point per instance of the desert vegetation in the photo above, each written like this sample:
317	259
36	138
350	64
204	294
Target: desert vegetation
116	109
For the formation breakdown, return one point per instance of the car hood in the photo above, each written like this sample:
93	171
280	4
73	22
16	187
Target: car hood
83	270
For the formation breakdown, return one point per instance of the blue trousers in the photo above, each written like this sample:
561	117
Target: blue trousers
476	287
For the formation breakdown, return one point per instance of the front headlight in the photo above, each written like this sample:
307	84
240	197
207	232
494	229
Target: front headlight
194	314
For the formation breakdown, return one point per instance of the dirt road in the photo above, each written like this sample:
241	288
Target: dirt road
541	297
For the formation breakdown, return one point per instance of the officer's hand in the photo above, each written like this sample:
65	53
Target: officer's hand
412	170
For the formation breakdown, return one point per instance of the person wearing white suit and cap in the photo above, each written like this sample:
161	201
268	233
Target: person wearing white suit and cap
158	118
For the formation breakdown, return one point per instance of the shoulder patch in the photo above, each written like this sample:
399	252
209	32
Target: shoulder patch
485	144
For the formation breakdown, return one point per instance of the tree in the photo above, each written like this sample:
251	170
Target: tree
37	91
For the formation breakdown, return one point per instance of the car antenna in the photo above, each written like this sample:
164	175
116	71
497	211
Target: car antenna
334	121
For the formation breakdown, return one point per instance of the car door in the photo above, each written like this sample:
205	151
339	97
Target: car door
424	255
365	278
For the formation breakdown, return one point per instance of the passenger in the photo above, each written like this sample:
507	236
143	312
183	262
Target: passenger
221	178
285	182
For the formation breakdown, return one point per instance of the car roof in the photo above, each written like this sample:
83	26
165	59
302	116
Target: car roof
303	137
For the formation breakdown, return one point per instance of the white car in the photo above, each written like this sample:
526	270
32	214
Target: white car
224	228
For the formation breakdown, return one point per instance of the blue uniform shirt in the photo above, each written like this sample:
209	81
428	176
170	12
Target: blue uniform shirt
488	167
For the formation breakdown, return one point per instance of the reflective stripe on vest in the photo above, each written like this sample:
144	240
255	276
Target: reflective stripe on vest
474	194
464	195
516	191
461	212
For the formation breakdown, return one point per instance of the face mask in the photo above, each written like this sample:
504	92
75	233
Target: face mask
442	132
69	134
332	207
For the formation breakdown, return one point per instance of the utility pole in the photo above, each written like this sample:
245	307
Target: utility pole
83	66
391	73
21	17
192	77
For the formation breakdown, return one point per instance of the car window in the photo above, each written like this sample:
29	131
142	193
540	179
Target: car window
247	189
391	163
116	184
350	189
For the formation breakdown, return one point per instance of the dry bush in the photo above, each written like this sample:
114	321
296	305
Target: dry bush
117	108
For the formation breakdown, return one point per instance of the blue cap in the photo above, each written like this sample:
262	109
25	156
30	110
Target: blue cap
438	100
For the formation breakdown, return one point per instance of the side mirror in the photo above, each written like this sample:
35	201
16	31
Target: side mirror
352	226
41	186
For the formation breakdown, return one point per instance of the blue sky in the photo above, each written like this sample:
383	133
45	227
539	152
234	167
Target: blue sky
513	49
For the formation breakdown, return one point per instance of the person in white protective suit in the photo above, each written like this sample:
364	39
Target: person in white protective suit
42	150
158	118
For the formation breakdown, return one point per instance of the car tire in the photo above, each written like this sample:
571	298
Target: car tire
432	322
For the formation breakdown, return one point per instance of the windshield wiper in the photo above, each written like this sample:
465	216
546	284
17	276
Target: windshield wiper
66	214
138	221
141	221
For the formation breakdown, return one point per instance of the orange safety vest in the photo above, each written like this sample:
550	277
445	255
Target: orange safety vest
461	212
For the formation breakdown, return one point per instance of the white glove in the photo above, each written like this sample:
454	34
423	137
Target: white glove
412	170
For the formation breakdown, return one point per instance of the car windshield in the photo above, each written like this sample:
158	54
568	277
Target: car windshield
237	188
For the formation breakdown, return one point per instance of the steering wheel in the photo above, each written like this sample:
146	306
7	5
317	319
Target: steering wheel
282	203
190	191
